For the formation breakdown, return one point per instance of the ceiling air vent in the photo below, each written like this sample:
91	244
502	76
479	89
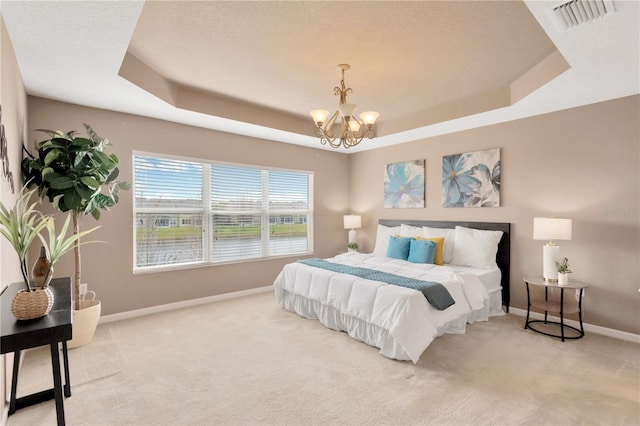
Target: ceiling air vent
579	12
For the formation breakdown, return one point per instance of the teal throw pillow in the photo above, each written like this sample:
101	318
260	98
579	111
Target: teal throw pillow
422	251
398	247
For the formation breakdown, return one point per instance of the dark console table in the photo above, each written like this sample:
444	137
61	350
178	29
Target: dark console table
51	330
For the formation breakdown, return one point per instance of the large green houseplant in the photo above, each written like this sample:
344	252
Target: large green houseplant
77	176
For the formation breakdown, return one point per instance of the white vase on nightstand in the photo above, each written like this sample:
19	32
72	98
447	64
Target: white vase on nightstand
563	279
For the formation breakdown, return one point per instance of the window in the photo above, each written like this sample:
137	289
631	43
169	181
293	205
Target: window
190	212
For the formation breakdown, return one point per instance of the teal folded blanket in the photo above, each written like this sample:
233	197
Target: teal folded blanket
435	293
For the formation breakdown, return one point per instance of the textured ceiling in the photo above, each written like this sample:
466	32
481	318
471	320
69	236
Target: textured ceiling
257	68
405	56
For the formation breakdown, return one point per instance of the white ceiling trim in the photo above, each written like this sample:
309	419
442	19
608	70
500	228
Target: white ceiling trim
71	63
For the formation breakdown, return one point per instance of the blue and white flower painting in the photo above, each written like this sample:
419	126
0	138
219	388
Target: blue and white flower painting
404	185
471	179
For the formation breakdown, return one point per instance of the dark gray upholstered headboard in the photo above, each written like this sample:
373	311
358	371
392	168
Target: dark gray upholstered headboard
503	257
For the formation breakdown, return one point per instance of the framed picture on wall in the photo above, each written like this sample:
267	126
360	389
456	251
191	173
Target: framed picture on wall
471	179
404	185
4	155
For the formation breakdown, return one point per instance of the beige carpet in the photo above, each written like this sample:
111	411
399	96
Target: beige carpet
247	361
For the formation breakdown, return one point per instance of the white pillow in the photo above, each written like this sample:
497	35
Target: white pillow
382	238
410	231
475	247
449	236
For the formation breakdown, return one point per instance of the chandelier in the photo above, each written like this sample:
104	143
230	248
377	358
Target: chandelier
352	129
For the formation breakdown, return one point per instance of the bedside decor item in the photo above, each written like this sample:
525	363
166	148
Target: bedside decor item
77	176
550	229
40	272
562	266
28	305
471	179
352	246
404	185
21	226
352	222
352	130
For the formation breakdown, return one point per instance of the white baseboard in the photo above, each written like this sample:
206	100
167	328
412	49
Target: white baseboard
622	335
184	304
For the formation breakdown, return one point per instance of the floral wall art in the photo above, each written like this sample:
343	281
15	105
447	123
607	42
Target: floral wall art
404	185
471	179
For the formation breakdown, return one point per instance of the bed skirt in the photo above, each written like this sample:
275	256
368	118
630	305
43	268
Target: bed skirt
358	329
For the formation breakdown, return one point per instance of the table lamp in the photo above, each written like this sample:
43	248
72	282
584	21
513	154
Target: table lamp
551	228
352	222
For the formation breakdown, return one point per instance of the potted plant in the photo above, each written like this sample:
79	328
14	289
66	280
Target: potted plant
562	266
77	176
352	246
21	226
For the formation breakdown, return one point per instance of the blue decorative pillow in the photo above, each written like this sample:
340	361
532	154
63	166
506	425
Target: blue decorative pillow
398	247
422	251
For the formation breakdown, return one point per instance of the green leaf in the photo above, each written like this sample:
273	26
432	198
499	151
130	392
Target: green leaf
61	182
92	134
84	192
79	157
50	176
90	182
103	201
81	142
72	200
96	214
114	174
51	156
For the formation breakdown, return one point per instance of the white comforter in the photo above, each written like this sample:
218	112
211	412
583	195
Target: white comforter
398	320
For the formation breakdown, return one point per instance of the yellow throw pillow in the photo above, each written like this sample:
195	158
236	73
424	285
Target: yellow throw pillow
439	247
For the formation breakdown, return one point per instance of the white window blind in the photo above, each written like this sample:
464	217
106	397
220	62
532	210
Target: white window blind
236	206
168	211
189	212
289	205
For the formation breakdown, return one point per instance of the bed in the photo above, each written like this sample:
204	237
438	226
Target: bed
351	292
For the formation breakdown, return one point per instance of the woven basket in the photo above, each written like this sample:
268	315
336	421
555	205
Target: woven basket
27	305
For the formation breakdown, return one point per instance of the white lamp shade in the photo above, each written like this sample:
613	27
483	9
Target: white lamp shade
352	221
354	126
369	117
346	110
319	115
551	228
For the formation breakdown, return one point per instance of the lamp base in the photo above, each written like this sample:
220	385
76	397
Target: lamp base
352	236
550	253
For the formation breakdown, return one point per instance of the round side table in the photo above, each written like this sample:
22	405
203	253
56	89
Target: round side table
561	305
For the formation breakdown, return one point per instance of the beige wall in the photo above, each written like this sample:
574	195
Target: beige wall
14	118
107	268
581	164
13	99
